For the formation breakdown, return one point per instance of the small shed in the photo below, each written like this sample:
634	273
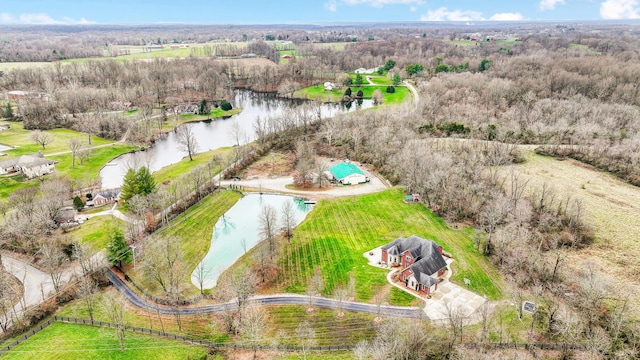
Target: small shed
348	173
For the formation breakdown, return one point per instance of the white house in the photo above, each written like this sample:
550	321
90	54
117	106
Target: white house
29	165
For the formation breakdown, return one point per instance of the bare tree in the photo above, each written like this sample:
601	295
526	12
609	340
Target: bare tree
83	254
340	294
187	140
74	145
287	219
201	274
268	224
163	263
41	138
83	154
114	309
306	337
254	326
86	291
236	132
53	260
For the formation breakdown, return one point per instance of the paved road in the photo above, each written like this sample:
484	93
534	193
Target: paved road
276	299
38	285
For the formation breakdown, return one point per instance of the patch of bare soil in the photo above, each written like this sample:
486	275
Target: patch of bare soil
271	165
610	205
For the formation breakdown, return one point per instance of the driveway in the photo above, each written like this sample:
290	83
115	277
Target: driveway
37	284
279	184
448	299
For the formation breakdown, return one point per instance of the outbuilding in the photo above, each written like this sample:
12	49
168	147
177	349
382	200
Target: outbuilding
347	173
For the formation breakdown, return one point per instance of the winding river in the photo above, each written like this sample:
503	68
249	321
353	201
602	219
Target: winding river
211	135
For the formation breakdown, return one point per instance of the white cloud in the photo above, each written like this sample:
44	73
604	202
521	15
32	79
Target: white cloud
7	18
620	9
506	17
39	19
381	3
443	14
550	4
331	6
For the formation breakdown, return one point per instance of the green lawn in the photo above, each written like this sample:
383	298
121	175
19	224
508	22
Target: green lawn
338	231
96	230
317	92
20	138
196	326
195	228
174	171
92	165
330	329
74	341
13	183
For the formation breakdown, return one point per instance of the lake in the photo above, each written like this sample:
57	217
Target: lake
212	135
238	230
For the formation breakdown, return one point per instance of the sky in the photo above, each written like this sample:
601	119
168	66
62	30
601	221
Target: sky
307	11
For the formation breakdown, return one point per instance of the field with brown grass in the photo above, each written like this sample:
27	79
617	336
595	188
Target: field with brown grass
611	207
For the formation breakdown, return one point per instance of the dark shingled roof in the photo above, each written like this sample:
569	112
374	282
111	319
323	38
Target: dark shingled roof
428	259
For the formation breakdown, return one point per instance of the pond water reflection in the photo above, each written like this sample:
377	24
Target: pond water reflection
238	230
213	134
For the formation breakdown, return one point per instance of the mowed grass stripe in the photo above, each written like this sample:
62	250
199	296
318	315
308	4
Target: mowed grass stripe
341	230
74	341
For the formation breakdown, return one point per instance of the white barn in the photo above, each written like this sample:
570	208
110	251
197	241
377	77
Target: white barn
348	173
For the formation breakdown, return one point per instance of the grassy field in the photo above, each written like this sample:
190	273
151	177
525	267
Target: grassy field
6	66
317	92
91	166
74	341
336	234
96	230
196	326
611	206
174	171
20	139
13	183
195	227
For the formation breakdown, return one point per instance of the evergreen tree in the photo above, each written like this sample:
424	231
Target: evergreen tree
204	107
360	93
78	204
397	79
139	182
347	92
225	105
145	184
389	64
118	251
129	185
8	112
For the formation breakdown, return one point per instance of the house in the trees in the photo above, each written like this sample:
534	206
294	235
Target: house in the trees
347	173
104	197
421	262
30	166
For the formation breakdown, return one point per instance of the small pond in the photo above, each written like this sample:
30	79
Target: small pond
5	147
238	230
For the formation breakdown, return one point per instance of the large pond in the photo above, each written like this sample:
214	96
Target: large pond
237	231
212	134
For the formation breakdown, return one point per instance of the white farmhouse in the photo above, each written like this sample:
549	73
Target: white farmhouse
29	165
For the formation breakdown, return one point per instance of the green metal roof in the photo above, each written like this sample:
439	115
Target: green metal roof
343	169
